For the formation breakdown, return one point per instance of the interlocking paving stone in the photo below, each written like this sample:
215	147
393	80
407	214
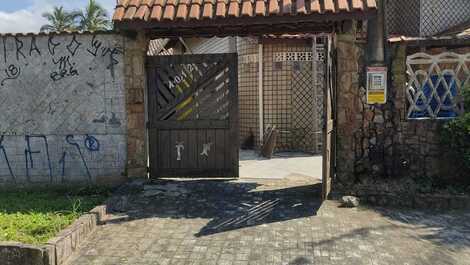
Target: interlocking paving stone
276	222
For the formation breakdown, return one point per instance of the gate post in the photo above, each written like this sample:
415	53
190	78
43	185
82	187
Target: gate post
135	84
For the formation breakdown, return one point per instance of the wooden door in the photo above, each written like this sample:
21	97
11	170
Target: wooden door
193	115
329	126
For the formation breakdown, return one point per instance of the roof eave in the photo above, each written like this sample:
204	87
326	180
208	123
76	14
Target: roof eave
224	25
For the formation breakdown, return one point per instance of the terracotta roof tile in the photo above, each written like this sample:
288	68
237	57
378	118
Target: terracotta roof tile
195	11
273	7
371	4
187	10
221	8
234	8
329	6
300	6
183	9
260	7
286	7
343	5
357	5
143	12
247	8
207	9
315	6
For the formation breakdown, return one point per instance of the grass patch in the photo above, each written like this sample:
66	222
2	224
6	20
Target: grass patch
34	217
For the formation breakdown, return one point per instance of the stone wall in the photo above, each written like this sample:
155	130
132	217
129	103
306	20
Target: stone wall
380	150
62	109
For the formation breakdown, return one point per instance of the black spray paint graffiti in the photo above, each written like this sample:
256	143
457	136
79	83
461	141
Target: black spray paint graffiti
51	45
19	45
91	144
12	73
97	49
95	45
34	47
103	118
21	50
73	46
66	69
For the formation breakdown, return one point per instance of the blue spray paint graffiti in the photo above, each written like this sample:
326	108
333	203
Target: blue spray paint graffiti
2	148
29	154
62	162
92	144
69	139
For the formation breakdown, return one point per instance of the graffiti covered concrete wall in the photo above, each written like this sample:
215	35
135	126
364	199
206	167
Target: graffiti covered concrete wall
62	108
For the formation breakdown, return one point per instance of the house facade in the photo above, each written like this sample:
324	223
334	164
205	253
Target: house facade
372	141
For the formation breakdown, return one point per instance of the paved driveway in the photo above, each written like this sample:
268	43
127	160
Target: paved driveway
274	222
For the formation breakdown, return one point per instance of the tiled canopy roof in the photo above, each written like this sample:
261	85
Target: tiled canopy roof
189	11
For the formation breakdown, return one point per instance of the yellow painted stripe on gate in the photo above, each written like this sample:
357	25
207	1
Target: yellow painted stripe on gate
185	114
184	103
178	87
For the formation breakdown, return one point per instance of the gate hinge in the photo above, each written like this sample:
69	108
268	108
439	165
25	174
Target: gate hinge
147	125
148	169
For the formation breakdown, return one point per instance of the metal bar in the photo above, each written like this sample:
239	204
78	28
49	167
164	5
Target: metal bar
260	93
315	86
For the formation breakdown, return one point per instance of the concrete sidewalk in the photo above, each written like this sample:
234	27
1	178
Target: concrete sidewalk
275	222
282	165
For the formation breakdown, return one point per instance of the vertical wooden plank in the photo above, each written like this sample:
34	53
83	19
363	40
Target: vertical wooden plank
201	139
219	148
183	136
210	139
164	151
192	142
153	145
228	159
174	163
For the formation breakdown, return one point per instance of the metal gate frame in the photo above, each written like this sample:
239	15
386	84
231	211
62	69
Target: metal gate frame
222	133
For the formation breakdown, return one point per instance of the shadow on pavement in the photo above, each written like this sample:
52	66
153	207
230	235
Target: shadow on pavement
229	205
443	228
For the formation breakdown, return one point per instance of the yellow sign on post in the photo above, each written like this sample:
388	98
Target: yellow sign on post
376	85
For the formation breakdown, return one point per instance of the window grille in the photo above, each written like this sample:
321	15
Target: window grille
435	84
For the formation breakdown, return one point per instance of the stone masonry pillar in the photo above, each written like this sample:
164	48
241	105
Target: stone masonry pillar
135	83
348	103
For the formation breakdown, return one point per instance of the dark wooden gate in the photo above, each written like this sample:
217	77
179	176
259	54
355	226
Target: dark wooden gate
193	115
